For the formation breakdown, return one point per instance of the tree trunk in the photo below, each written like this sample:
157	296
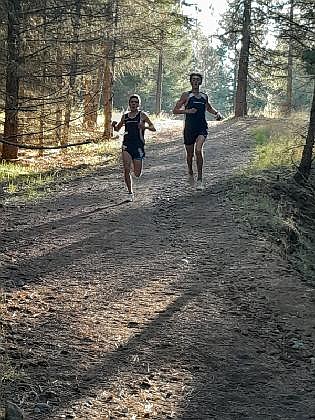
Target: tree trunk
92	86
97	96
159	84
235	68
107	96
242	77
288	105
109	69
73	73
43	86
67	114
304	168
87	102
12	80
60	89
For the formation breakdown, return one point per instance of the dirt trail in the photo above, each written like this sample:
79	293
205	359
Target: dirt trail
165	308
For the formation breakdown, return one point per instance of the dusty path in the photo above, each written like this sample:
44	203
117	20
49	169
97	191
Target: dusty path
166	308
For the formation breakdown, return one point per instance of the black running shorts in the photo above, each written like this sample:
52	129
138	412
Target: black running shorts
136	152
190	135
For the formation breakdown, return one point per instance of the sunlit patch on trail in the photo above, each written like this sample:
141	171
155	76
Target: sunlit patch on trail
138	394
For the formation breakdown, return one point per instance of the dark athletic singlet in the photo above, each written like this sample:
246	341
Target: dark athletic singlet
133	135
198	120
133	141
195	124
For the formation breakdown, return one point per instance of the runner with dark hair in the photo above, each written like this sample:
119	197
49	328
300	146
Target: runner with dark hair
194	105
135	122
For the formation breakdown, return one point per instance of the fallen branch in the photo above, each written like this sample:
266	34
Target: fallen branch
29	146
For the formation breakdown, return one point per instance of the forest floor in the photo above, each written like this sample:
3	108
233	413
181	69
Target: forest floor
169	307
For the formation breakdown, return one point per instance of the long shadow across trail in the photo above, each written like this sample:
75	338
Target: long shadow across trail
77	240
46	219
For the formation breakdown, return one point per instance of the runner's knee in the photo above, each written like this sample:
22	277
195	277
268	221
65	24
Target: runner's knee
137	172
199	147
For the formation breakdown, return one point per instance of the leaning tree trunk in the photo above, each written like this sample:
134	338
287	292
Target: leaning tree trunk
242	77
12	80
305	166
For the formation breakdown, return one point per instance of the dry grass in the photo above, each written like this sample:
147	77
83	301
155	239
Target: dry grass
35	175
278	143
267	196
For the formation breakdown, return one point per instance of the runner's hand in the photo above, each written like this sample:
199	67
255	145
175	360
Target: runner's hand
191	111
219	117
114	123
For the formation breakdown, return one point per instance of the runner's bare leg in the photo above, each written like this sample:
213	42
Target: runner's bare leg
127	160
189	157
199	155
137	167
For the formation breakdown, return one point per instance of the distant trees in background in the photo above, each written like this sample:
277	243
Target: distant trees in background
272	44
266	41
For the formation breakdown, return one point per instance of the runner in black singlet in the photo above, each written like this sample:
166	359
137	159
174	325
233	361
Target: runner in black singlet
194	105
133	142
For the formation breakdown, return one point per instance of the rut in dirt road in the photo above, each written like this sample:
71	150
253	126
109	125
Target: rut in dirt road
165	308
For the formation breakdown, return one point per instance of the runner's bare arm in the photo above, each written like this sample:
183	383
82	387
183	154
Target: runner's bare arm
117	126
213	111
146	119
178	108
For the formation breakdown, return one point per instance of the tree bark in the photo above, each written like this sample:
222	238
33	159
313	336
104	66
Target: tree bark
68	109
43	86
242	77
235	71
109	69
107	98
60	89
12	80
305	166
73	73
92	86
288	104
87	102
159	83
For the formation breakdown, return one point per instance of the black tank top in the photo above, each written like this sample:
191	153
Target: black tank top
197	120
133	135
